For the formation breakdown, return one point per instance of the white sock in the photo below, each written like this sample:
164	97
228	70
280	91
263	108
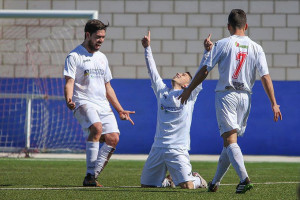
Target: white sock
92	149
166	183
104	155
197	182
236	159
223	166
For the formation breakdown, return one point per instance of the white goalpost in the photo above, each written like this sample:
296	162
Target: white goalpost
31	98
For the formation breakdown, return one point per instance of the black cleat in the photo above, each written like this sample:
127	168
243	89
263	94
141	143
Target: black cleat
212	187
243	187
91	181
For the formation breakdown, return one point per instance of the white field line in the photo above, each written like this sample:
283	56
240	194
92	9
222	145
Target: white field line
80	188
143	157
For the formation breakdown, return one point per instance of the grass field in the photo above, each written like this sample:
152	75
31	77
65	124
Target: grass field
62	179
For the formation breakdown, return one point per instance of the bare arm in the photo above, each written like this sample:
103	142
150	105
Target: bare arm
268	86
69	86
199	78
112	98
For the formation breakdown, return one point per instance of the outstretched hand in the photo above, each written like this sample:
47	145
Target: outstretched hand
207	43
125	115
185	95
146	40
277	113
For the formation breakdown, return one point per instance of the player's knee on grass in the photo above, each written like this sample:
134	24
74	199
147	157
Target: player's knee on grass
187	185
111	139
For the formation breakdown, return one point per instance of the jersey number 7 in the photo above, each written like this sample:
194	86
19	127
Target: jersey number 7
240	57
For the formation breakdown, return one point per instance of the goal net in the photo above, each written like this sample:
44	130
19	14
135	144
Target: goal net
33	114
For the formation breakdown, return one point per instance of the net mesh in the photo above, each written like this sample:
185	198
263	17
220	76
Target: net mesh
32	60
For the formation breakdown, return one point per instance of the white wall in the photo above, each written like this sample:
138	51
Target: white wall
178	29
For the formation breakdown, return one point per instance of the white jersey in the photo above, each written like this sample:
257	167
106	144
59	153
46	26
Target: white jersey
173	119
90	72
238	58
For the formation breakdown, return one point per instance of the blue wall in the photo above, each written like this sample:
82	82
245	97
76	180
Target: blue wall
262	136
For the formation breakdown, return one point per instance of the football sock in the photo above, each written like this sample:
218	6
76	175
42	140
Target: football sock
92	149
104	155
223	166
197	182
166	183
236	159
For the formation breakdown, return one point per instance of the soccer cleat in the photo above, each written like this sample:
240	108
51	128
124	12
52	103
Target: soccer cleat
244	186
91	181
169	181
212	187
203	182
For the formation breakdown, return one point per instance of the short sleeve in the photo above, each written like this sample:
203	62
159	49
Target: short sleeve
70	66
262	66
215	54
107	73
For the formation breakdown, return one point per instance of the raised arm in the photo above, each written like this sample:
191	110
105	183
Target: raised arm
156	80
200	75
68	90
112	98
268	86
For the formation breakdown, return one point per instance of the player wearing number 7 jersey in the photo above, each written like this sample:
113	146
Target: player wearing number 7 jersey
238	59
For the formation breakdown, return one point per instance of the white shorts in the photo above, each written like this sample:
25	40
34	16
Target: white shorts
232	110
160	160
87	115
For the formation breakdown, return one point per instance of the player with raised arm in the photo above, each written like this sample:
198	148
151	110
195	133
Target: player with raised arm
88	93
172	138
238	59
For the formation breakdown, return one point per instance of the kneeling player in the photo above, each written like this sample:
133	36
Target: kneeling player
172	138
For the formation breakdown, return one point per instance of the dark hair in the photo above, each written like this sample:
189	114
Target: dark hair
237	19
94	25
189	75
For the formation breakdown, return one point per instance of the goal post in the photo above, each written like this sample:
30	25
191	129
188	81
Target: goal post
31	102
49	14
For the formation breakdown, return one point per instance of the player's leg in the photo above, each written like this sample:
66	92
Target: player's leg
223	166
235	154
106	151
180	168
154	170
243	113
110	136
90	122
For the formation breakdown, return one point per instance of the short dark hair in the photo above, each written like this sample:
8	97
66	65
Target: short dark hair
189	75
237	18
94	25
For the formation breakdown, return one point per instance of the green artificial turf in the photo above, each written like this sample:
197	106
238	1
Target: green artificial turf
62	179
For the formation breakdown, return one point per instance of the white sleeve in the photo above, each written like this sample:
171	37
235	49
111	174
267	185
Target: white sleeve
107	73
215	54
262	66
196	91
156	80
70	66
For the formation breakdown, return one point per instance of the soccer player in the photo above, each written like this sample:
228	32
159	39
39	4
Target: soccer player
172	138
88	93
238	58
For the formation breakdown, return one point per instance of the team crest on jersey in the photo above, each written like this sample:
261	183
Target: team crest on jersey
86	72
241	46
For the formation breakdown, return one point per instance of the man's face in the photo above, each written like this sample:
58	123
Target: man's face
95	40
183	79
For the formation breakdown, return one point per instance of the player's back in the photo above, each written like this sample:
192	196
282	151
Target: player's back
238	58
